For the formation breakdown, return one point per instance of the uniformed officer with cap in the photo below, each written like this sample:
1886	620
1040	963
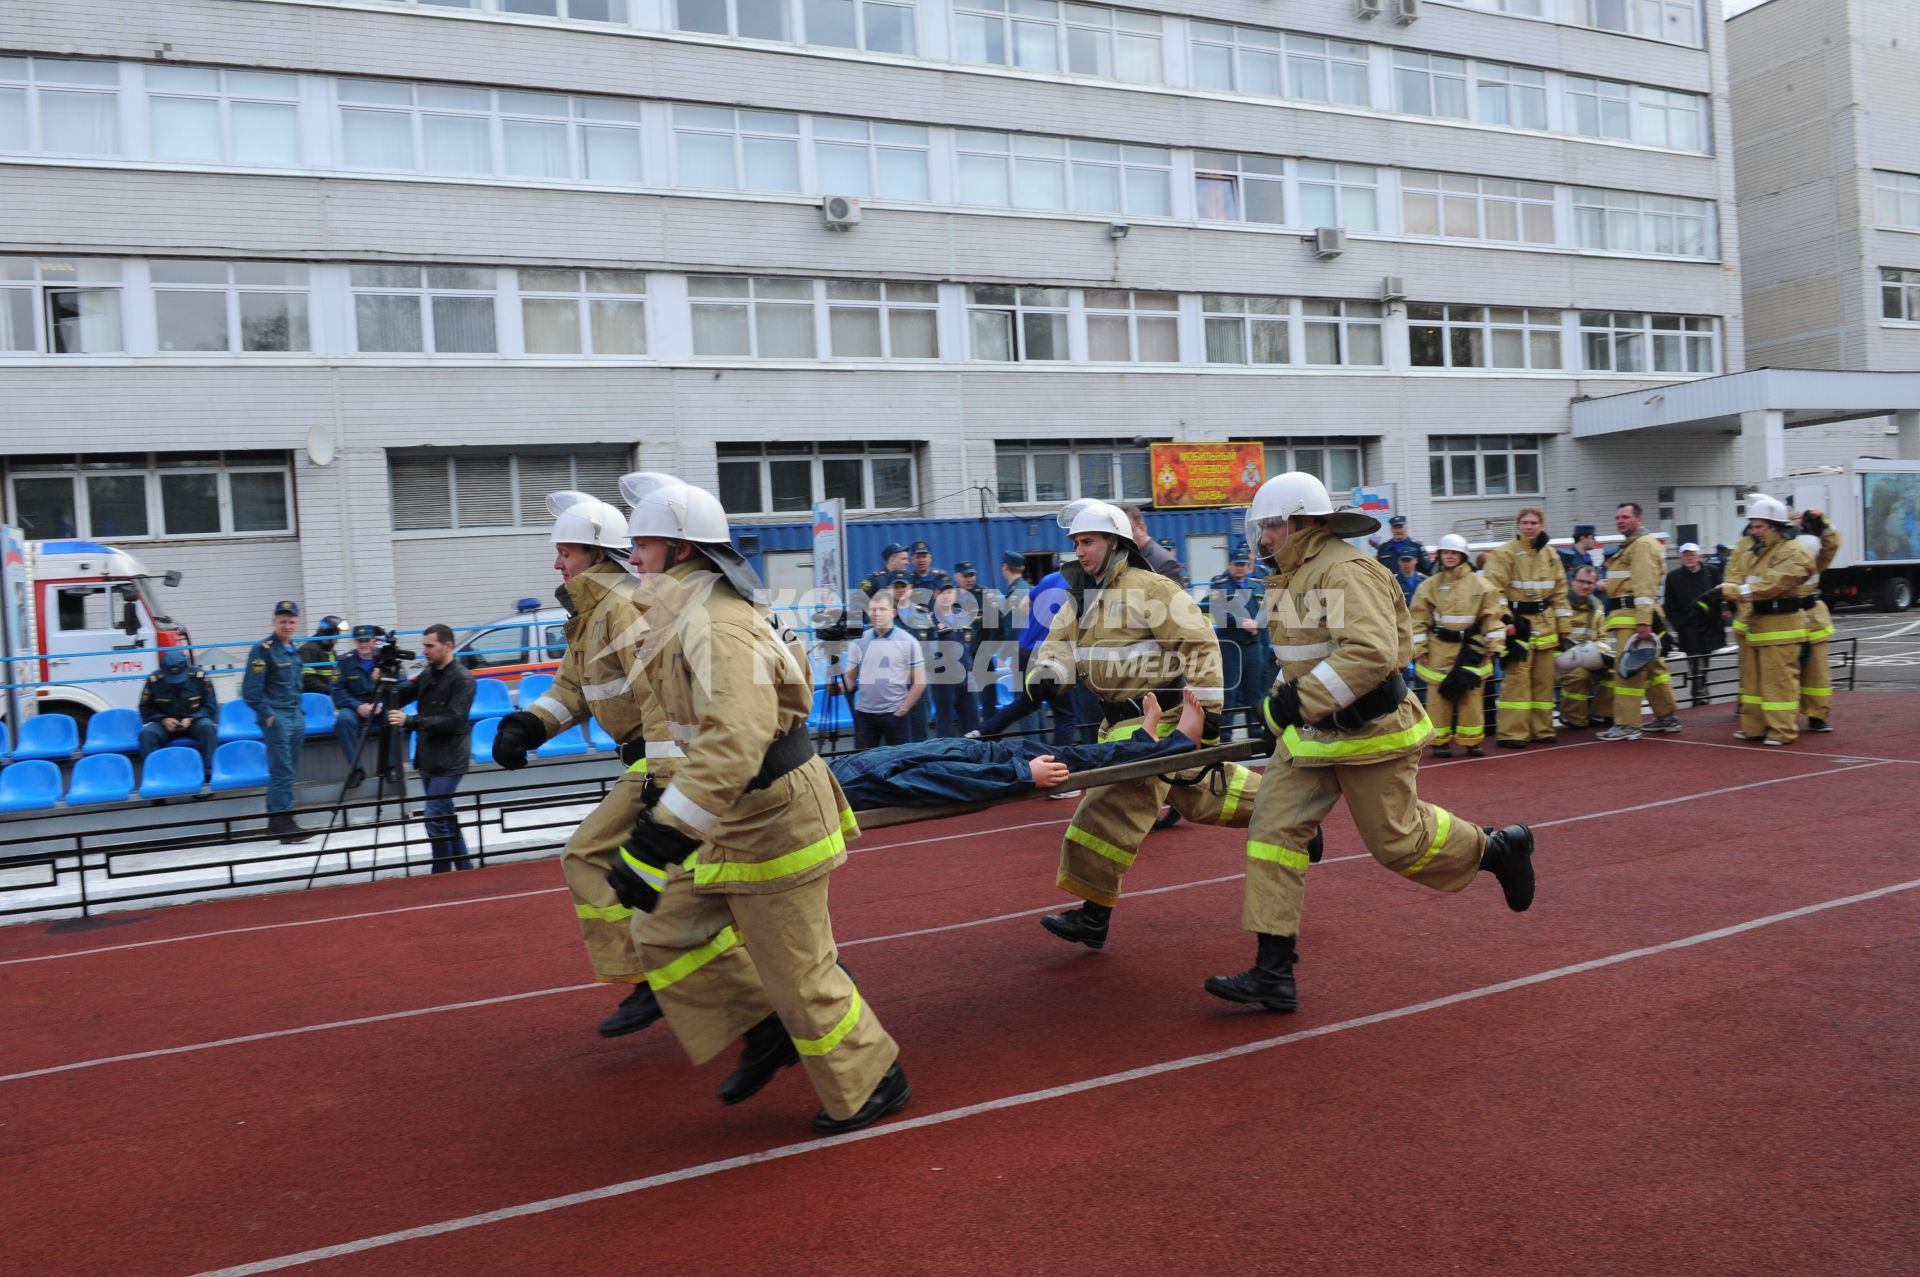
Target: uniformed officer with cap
271	690
353	688
178	703
893	558
926	579
317	670
1233	603
967	578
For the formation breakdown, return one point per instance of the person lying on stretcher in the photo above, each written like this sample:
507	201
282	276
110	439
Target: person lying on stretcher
960	770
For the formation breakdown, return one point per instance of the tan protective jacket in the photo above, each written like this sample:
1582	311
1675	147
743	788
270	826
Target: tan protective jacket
1340	628
1633	574
599	675
1139	633
1458	599
1519	573
1819	617
730	687
1778	571
1588	620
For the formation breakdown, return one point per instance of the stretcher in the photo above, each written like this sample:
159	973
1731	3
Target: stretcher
1210	755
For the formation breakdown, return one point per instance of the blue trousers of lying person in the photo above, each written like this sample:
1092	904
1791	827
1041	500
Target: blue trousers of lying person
957	770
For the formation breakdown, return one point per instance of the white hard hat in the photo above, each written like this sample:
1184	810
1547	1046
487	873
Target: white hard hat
1808	542
1582	656
1637	655
580	519
1091	515
1762	506
1297	492
1453	541
664	506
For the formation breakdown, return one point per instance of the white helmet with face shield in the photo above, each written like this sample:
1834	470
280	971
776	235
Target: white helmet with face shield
580	518
1296	492
674	510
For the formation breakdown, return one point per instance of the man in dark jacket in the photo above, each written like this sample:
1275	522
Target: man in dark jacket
354	686
442	741
1399	543
1695	611
317	669
178	705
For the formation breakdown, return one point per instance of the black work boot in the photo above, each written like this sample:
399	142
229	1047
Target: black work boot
639	1009
283	826
1086	925
1509	858
890	1096
1269	983
1316	848
1169	818
767	1049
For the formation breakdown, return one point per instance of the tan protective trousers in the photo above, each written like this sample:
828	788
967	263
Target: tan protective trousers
1816	675
1770	690
1464	720
1652	682
606	926
1112	820
1524	709
719	963
1416	840
1584	696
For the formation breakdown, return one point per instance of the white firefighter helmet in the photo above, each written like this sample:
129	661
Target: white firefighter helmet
1637	655
1297	492
1453	541
1808	542
675	510
582	519
1772	509
1581	656
1089	514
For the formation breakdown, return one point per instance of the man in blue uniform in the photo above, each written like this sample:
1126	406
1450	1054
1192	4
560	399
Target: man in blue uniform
926	579
1407	574
271	690
1233	602
1390	552
178	704
353	691
893	559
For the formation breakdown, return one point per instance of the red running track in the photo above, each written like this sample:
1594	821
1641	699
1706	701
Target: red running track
1696	1053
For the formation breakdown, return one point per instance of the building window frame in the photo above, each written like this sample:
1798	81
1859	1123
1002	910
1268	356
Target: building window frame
604	305
42	98
229	96
437	292
1896	199
1640	222
1145	323
1332	193
424	485
1227	187
1338	463
1061	39
1462	206
1027	324
860	474
896	160
1032	473
1899	295
1462	336
1484	466
62	306
996	169
1649	344
153	479
497	128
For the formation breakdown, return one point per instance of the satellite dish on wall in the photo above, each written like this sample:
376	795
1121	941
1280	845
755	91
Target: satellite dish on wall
320	447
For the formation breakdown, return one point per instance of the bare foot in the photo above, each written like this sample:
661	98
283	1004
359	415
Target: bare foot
1046	772
1193	716
1150	717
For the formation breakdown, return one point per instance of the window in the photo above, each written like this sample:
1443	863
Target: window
1263	63
860	24
60	306
1322	70
1461	207
871	320
230	307
1021	170
448	312
1671	20
145	496
1132	327
1429	84
858	157
1024	324
1342	332
1054	473
1453	336
1334	463
1042	35
584	312
1900	294
1619	342
1896	199
758	317
749	19
573	10
1259	330
736	150
1238	188
1246	330
1636	113
788	478
223	117
1484	465
434	128
473	488
1510	95
1630	222
1339	195
59	107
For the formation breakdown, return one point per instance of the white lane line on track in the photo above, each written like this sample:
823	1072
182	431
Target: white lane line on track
1750	747
844	944
905	1125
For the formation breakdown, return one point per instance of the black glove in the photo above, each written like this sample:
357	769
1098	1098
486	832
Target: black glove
1459	682
1566	644
640	870
1283	708
1043	686
1210	725
1666	643
1606	662
1522	629
518	732
1813	523
650	791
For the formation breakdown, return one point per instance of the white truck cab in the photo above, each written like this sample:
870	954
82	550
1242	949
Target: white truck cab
94	616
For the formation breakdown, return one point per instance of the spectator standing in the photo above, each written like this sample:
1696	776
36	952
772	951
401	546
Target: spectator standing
926	579
886	675
912	612
1400	542
317	668
178	704
1407	574
1158	554
1697	613
1233	603
1585	549
956	635
442	741
353	689
893	558
271	689
1044	600
986	611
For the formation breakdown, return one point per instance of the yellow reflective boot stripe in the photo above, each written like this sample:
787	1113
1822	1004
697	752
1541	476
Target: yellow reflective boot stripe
820	1046
602	913
1523	704
1231	803
1095	843
692	960
1359	748
1273	852
1442	826
779	867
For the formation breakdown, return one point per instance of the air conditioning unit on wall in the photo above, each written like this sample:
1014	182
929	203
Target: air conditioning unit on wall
1405	11
1368	8
1329	242
840	212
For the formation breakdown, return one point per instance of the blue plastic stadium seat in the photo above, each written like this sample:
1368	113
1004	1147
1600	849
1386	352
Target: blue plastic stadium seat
6	739
100	778
566	744
30	786
490	699
47	736
483	733
837	718
318	707
239	764
113	731
597	737
172	772
532	688
237	722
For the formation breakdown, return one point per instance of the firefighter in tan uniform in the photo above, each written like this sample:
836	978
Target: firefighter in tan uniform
1633	617
1127	633
1347	726
1526	572
1457	633
595	680
1586	694
1822	540
1766	579
731	864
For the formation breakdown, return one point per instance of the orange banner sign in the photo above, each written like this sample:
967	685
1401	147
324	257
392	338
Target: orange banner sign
1206	474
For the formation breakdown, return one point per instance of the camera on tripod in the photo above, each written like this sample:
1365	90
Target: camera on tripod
387	659
835	625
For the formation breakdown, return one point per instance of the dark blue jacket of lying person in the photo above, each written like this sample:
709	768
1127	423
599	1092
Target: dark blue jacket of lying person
958	770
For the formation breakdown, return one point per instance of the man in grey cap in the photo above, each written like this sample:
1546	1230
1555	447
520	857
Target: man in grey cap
1697	615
